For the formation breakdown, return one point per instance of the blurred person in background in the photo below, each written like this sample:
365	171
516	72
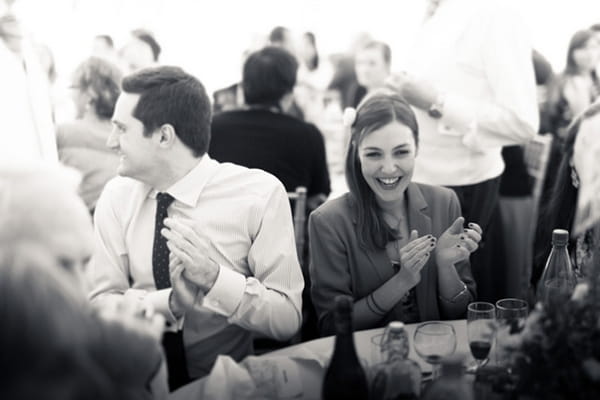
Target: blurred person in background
25	100
372	63
577	86
141	51
262	136
45	243
103	46
559	211
95	88
470	103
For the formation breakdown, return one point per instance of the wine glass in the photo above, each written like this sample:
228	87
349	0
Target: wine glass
480	330
511	315
434	341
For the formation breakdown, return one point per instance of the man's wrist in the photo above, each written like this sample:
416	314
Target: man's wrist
176	310
211	277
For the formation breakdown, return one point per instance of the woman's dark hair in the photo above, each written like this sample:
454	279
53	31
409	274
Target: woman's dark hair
313	63
579	40
378	109
101	81
169	95
559	211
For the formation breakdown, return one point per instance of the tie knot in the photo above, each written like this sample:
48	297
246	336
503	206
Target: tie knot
164	200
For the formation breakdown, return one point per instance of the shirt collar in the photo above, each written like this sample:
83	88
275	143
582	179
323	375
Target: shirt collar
187	190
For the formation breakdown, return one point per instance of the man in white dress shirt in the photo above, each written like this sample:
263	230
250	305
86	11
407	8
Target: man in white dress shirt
208	245
471	81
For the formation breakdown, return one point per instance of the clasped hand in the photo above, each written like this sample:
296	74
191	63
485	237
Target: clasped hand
416	92
192	270
413	256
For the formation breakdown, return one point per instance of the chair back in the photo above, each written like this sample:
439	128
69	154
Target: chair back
537	154
298	199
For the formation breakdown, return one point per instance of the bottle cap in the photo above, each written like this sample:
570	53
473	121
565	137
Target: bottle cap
396	325
560	237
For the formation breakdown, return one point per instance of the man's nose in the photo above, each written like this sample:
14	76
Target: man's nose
112	141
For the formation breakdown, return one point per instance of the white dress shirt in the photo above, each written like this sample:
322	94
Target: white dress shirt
246	215
478	55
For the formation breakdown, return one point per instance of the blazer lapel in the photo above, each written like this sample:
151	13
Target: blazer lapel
420	219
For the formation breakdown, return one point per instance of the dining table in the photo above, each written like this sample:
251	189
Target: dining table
310	374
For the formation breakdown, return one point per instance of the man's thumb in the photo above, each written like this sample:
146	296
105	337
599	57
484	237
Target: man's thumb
457	225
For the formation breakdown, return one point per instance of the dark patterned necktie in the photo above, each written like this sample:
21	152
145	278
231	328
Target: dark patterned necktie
172	341
160	251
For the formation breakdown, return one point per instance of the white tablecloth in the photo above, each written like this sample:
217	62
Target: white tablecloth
311	374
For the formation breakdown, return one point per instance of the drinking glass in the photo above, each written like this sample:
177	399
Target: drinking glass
480	330
434	341
511	315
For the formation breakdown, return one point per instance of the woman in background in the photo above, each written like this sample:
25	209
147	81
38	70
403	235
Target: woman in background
397	247
82	143
577	87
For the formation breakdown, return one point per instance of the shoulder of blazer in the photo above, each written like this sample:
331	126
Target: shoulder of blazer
433	193
337	209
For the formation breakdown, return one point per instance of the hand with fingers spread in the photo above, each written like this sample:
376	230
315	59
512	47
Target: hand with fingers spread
190	249
456	243
414	256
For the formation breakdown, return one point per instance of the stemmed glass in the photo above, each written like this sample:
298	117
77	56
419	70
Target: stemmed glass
511	315
480	330
434	341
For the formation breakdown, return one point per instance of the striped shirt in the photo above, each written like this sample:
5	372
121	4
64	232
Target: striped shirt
246	214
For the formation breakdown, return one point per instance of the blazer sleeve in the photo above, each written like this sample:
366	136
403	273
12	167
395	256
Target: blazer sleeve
329	268
456	309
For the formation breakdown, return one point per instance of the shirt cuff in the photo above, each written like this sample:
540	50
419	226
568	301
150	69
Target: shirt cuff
227	292
160	301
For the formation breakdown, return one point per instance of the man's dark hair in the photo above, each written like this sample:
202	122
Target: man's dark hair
169	95
149	39
107	39
268	75
277	35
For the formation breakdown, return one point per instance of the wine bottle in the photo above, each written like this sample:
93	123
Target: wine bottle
558	279
345	377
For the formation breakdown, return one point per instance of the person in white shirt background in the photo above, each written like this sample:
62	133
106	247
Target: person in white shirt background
471	81
232	268
28	127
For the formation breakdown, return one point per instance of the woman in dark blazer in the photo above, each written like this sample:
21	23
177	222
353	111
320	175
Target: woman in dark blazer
397	247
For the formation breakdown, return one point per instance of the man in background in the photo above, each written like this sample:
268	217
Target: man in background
470	101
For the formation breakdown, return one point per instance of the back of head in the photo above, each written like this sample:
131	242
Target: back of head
269	74
169	95
384	48
46	328
39	205
100	80
376	110
277	36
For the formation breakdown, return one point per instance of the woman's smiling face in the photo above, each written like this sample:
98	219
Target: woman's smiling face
387	159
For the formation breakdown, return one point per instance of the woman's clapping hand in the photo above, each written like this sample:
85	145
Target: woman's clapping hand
456	243
414	255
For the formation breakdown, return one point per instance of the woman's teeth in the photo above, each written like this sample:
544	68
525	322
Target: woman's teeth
388	181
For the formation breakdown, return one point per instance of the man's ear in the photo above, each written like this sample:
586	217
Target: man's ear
166	135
